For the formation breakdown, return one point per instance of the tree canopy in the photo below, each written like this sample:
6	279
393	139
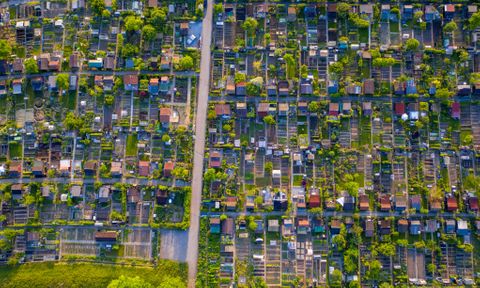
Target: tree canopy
269	119
185	63
149	32
342	9
133	23
336	278
129	50
250	25
72	122
450	27
412	44
472	183
335	68
383	62
31	66
97	6
240	77
157	17
5	49
63	81
257	282
358	21
474	21
218	8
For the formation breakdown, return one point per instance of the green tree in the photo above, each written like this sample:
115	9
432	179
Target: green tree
257	282
269	119
5	49
106	13
419	244
461	55
450	27
72	122
412	44
304	71
474	21
431	268
6	243
335	68
157	18
374	268
165	138
240	77
268	167
109	99
252	225
313	106
417	16
149	32
185	63
250	25
267	38
129	50
252	89
350	261
97	6
133	23
31	66
352	188
227	127
354	284
472	183
336	278
218	8
258	200
129	282
386	249
340	241
209	175
63	81
383	62
443	93
343	9
358	21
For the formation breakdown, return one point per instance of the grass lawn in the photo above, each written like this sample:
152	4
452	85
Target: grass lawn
385	88
69	99
464	135
297	180
262	181
363	35
360	179
365	70
14	150
131	145
3	104
302	129
394	27
84	275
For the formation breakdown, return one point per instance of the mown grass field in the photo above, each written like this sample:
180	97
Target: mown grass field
85	274
131	149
